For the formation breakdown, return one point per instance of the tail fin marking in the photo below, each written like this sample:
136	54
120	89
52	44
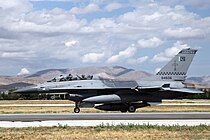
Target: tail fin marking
178	66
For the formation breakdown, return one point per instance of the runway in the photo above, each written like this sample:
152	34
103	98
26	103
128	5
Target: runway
94	119
105	116
72	105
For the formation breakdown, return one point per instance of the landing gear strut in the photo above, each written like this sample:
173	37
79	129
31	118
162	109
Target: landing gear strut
76	109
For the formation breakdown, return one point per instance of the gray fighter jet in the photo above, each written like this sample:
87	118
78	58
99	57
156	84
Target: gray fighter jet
115	95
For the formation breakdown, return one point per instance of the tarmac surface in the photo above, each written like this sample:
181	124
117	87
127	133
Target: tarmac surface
96	119
72	105
106	116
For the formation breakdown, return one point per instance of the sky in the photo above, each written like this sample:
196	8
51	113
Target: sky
138	34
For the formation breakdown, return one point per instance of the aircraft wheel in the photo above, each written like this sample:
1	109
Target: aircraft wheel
76	110
131	109
124	110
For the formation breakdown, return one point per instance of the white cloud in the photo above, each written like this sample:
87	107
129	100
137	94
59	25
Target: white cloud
138	60
92	57
198	3
143	20
23	71
17	55
100	25
16	5
113	6
52	21
150	43
51	0
71	43
84	10
122	55
202	4
154	19
169	52
142	59
184	33
28	35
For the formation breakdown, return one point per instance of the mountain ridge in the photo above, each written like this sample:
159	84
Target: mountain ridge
113	72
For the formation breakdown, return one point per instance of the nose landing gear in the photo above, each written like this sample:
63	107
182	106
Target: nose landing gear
76	109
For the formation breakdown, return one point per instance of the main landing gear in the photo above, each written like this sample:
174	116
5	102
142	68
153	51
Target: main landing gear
129	108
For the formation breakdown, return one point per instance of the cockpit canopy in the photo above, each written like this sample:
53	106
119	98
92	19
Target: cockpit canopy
70	77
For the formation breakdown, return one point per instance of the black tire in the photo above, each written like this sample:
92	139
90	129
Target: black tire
76	110
131	109
123	110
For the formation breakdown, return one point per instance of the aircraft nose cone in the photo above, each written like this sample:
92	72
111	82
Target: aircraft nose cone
31	89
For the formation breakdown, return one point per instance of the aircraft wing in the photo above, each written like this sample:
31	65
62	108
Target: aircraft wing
147	89
184	90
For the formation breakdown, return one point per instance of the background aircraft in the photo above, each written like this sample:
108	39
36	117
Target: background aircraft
115	95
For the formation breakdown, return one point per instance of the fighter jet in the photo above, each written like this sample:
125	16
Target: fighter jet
115	95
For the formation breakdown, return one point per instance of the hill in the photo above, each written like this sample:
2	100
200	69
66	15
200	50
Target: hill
112	72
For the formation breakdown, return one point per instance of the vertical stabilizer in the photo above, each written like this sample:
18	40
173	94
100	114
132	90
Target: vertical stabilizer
176	69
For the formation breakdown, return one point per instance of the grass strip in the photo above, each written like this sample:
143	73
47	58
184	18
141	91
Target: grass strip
124	132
